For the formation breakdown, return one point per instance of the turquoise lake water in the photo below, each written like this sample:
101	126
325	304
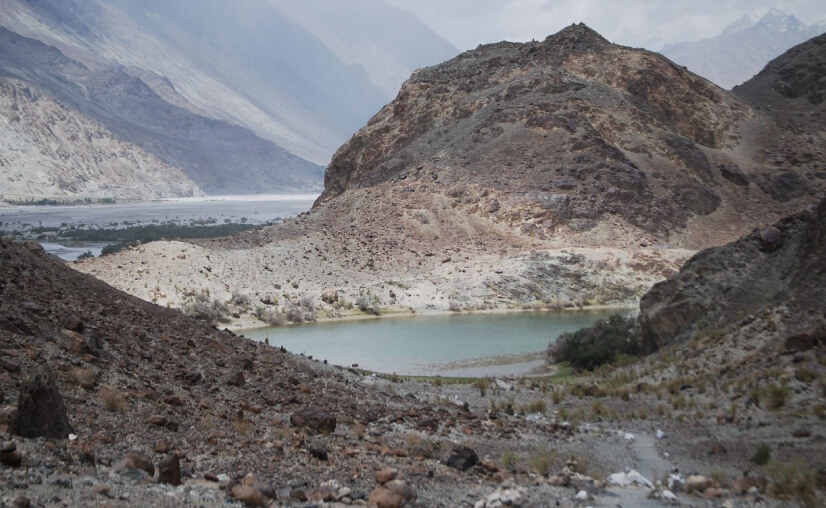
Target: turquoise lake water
448	345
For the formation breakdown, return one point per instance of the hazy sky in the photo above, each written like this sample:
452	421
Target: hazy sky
640	23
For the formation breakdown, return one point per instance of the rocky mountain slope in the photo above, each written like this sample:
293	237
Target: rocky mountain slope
109	399
278	72
49	151
126	106
743	48
562	171
777	270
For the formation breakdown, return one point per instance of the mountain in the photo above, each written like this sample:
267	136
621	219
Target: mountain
247	63
743	48
389	43
202	147
569	170
792	87
50	152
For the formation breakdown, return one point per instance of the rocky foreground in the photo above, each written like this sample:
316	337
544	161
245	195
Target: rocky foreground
162	410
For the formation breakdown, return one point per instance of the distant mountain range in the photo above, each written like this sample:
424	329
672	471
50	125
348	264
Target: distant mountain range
743	48
247	96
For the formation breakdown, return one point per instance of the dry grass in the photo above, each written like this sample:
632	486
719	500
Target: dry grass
83	377
113	401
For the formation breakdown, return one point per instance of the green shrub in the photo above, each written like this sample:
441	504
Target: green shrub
603	343
762	454
86	255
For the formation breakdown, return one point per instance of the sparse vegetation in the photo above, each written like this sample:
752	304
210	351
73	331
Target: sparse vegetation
200	307
112	400
369	303
762	454
792	480
777	395
604	343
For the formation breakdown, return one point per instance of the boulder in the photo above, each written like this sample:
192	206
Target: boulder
248	495
771	239
314	418
386	474
697	483
40	409
462	458
382	497
169	470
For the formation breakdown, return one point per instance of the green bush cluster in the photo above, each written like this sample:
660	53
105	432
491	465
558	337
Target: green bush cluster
605	342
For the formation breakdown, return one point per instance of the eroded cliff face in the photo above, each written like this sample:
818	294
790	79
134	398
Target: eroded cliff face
779	268
50	151
572	131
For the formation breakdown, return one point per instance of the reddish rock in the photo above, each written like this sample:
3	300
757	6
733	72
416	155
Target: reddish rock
169	470
382	497
386	474
314	418
248	495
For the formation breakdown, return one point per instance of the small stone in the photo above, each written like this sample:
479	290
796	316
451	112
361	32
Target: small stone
771	239
401	488
169	470
669	496
314	418
12	459
237	379
318	450
22	502
581	496
142	462
462	458
386	474
742	485
696	483
382	497
248	495
7	446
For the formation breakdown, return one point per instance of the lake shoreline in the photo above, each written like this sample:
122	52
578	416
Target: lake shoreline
239	330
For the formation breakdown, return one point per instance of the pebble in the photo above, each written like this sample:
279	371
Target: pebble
386	474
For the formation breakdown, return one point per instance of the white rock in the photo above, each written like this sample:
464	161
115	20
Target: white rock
675	483
669	496
479	504
581	495
629	478
660	434
639	479
629	437
223	480
72	437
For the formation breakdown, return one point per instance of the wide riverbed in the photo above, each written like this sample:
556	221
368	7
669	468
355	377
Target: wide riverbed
471	345
252	209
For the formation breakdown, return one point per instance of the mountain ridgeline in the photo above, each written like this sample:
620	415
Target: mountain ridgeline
574	130
242	97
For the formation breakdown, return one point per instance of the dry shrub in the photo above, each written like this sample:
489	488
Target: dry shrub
83	377
112	400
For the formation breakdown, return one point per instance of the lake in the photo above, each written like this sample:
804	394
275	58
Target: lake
473	345
252	209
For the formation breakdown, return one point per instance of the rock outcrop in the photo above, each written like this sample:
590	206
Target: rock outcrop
723	288
40	408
